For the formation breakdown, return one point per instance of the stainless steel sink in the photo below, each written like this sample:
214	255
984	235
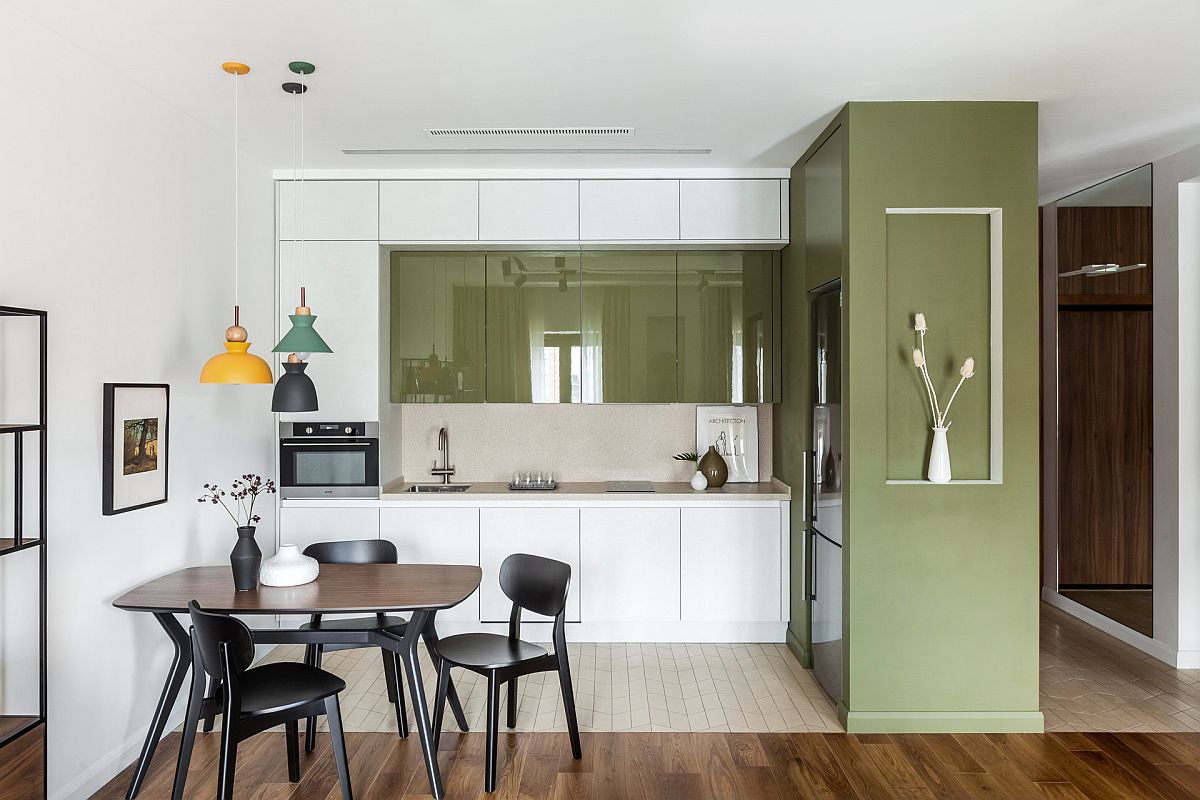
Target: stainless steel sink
439	487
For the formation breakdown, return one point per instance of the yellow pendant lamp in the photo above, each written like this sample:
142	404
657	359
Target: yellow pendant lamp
237	364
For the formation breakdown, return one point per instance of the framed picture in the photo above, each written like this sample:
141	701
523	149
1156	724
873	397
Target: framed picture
733	431
136	445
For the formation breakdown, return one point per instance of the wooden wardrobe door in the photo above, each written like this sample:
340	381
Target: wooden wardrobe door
1104	461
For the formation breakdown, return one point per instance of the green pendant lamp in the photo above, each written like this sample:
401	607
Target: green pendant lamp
295	390
236	364
302	338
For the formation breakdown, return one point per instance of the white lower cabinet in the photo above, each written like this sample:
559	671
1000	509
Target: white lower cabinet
304	526
436	536
629	564
730	565
670	573
549	532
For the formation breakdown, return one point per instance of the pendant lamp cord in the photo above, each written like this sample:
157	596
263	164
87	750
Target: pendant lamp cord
302	177
235	194
296	187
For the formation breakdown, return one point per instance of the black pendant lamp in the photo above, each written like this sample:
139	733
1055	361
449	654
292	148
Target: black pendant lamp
294	391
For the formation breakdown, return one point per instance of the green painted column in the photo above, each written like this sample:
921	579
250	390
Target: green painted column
941	581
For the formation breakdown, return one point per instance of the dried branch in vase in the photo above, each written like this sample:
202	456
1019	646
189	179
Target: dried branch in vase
244	491
941	416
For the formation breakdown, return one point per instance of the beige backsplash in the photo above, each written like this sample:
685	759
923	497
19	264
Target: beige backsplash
489	442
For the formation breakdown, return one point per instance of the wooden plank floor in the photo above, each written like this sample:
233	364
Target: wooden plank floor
692	766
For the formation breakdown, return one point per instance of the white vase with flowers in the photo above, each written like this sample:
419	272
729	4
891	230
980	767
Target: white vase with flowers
939	451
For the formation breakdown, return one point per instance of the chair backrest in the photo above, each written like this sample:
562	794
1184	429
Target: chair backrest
536	583
356	551
211	630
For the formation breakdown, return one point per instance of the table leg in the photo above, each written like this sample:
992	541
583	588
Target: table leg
431	640
407	647
166	701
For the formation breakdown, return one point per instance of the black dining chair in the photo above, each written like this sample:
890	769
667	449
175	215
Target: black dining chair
253	699
536	584
367	551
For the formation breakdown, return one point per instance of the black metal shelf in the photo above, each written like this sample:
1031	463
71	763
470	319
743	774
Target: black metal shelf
20	428
12	727
9	545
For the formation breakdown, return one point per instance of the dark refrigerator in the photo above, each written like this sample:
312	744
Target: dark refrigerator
823	566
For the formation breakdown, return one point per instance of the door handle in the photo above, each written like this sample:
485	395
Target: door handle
810	565
808	465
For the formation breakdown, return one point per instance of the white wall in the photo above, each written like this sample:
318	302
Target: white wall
115	216
1176	412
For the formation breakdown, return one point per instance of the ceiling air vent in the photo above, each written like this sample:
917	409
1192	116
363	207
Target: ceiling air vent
486	132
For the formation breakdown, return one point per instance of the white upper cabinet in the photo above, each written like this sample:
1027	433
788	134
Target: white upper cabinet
342	279
624	210
731	210
428	211
529	211
333	210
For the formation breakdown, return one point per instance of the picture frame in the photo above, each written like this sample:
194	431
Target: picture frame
136	452
733	431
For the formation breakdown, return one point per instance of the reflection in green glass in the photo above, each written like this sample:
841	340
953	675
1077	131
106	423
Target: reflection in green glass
534	343
629	327
437	327
604	327
724	328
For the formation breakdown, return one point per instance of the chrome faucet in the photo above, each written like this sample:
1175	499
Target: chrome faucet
445	470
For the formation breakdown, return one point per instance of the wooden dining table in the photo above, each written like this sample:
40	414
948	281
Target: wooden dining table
421	589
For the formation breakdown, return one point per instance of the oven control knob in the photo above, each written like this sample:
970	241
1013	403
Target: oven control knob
308	430
349	429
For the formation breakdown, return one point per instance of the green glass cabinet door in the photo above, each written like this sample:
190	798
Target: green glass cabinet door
437	327
725	326
534	339
628	327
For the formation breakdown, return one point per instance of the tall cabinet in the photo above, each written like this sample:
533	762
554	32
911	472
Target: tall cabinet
22	553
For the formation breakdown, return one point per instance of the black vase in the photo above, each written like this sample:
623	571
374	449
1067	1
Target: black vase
245	560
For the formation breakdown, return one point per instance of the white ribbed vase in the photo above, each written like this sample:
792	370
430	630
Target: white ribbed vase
288	567
699	482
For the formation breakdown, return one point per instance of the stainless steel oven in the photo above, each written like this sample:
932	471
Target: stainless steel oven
328	459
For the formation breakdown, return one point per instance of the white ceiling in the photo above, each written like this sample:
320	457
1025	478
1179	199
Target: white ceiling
754	81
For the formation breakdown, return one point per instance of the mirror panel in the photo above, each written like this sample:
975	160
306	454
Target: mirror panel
534	343
1103	429
437	327
629	327
1106	228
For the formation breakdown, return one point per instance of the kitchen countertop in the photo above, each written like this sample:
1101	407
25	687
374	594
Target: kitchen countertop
771	490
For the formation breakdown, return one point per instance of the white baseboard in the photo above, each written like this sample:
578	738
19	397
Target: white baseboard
670	632
627	631
90	780
1180	659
